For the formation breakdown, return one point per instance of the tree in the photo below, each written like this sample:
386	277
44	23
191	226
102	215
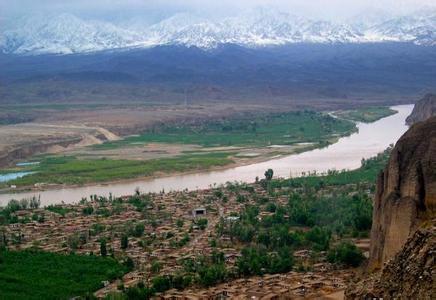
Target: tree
202	223
156	266
13	206
24	203
280	262
73	242
103	249
161	283
129	263
139	230
124	242
347	254
269	174
252	261
88	210
179	223
3	239
271	207
135	293
319	237
211	275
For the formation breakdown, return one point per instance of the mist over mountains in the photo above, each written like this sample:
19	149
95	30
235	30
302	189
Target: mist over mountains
67	33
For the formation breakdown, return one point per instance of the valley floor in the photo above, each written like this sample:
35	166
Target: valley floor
79	157
228	240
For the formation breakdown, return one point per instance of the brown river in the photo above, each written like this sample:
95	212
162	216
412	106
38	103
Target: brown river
347	153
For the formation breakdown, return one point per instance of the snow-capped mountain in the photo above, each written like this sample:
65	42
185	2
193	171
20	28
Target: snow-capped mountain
369	18
419	28
66	33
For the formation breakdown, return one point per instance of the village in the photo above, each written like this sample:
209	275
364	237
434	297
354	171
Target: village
157	232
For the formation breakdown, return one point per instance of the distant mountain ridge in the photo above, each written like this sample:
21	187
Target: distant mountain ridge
67	34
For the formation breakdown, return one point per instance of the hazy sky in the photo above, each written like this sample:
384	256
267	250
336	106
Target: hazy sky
330	9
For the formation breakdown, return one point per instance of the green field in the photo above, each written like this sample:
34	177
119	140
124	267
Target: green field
254	131
366	115
257	131
71	170
42	275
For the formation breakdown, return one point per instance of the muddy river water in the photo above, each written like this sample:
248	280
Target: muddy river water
347	153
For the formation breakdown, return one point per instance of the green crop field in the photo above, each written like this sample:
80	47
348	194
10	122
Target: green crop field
71	170
257	131
34	274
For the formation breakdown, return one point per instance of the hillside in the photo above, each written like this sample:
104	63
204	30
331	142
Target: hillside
296	75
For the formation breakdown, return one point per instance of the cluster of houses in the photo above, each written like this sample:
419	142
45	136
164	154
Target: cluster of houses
170	234
293	285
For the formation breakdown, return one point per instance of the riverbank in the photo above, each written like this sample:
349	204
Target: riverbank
347	153
185	148
366	115
235	163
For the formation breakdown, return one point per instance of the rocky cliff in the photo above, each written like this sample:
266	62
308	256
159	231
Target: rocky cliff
402	251
406	192
409	275
423	110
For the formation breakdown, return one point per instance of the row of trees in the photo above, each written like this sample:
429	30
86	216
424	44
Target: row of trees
7	213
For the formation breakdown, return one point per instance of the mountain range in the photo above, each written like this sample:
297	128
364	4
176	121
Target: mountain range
67	33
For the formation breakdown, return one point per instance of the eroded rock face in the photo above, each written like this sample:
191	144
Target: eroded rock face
403	235
409	275
406	192
423	110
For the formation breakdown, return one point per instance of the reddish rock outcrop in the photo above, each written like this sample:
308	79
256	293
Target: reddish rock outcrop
423	110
